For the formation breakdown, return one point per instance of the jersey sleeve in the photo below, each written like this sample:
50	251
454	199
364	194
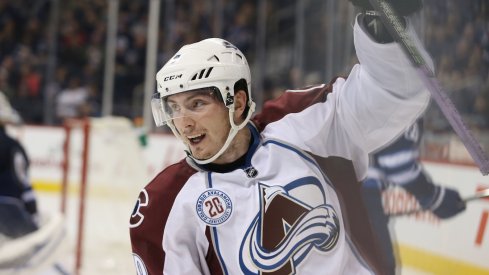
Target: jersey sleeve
381	97
384	95
398	162
149	218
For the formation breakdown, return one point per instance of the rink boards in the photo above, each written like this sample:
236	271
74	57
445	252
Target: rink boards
456	246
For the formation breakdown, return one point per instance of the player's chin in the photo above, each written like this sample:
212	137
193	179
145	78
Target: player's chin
200	154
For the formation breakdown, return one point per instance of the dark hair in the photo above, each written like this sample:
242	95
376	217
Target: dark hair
242	85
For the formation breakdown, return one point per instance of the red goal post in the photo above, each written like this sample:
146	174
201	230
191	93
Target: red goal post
103	169
68	125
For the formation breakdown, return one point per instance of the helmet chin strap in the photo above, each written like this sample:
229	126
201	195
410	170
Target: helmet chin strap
232	133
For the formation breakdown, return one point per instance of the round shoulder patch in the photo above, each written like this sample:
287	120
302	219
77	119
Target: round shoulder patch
214	207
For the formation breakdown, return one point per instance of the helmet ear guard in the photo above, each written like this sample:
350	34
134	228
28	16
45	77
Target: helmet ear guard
211	62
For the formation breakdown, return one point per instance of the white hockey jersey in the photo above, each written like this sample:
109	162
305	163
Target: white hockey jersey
276	211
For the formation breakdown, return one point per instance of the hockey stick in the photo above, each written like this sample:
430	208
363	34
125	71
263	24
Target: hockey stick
478	195
484	194
396	29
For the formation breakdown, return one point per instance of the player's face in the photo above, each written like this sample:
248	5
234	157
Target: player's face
202	121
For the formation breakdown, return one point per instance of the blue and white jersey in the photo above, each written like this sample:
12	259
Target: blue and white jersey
397	163
18	204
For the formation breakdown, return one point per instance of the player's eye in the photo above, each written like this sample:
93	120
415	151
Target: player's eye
197	104
173	108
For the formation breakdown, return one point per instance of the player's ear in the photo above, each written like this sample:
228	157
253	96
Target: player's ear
239	105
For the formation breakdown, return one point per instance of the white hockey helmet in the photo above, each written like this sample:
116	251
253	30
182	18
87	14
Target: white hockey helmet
210	63
8	115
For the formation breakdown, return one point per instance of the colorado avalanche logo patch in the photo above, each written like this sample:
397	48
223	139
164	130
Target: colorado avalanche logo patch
287	229
137	217
214	207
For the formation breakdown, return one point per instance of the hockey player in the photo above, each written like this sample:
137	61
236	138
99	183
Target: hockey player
250	197
18	206
398	164
29	242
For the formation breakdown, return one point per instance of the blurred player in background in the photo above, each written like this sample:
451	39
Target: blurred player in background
29	242
15	187
251	196
397	164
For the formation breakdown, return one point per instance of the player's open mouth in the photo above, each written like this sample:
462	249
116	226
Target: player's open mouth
196	138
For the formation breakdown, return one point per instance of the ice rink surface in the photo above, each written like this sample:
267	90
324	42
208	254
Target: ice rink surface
106	248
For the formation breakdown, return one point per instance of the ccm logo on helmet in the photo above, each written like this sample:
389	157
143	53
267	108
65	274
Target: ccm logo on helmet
171	77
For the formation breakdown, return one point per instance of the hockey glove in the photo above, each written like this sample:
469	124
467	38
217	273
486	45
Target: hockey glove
402	7
448	204
443	202
371	21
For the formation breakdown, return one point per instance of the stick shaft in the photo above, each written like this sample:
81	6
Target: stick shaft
396	29
477	196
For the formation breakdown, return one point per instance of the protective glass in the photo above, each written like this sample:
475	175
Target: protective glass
157	109
165	109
